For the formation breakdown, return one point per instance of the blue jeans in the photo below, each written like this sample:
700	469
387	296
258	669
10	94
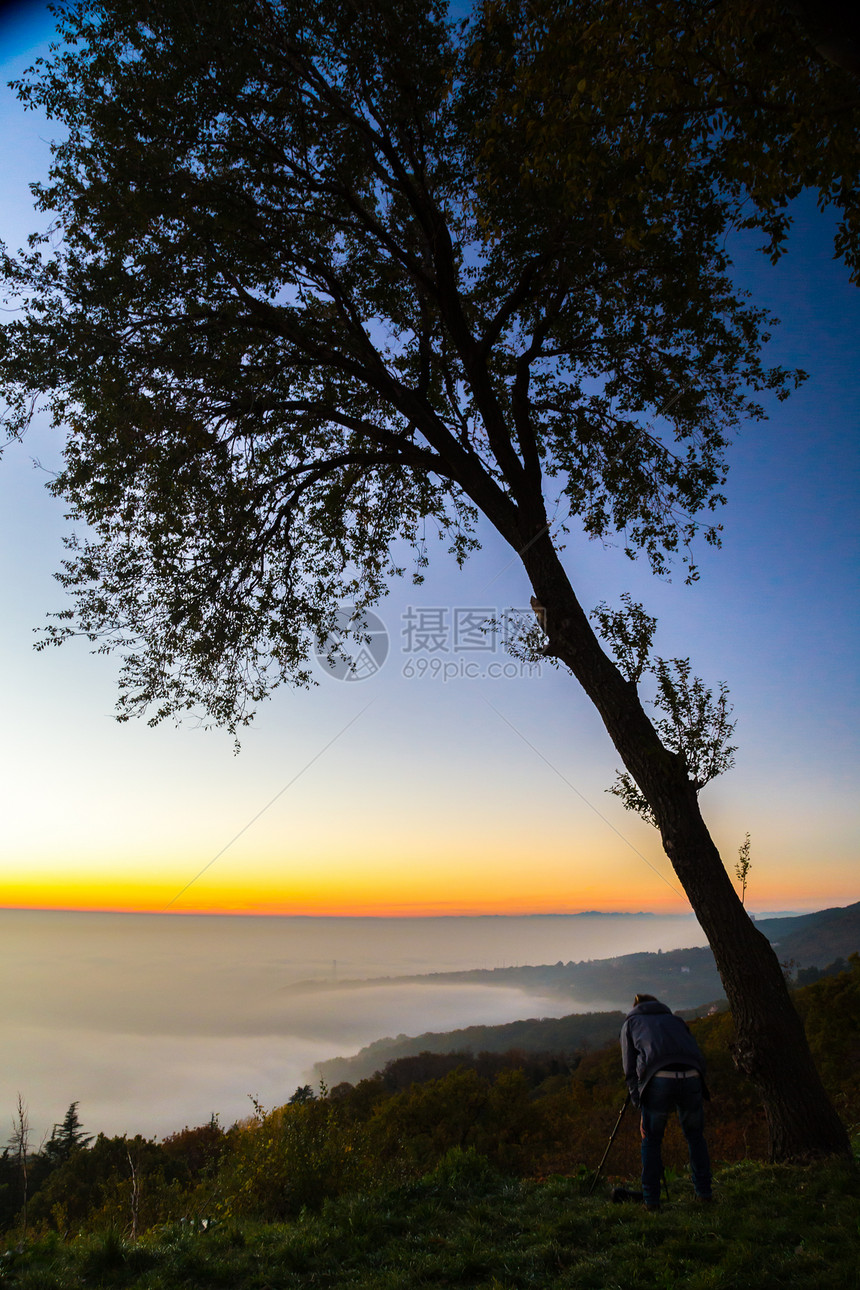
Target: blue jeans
659	1099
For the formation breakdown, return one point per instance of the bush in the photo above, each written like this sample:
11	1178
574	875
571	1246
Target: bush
293	1158
466	1170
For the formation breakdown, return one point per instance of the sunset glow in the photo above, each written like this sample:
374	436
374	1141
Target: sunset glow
405	886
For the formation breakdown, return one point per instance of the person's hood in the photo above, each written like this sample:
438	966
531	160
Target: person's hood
649	1009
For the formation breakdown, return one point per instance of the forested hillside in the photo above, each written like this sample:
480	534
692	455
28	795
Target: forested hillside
577	1033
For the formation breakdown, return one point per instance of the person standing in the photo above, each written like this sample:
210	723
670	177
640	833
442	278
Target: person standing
665	1071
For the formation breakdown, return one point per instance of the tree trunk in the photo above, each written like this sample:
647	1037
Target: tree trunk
771	1047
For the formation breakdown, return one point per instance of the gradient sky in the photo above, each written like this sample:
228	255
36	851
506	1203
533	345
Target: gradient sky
421	795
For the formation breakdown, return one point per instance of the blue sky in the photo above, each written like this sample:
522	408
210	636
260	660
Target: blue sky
412	793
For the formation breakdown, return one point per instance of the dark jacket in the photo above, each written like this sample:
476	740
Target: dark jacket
652	1037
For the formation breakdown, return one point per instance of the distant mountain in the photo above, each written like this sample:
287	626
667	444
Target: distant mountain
685	979
813	940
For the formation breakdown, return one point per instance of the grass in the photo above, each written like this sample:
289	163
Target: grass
465	1226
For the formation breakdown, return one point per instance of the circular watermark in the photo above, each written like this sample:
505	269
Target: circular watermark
357	646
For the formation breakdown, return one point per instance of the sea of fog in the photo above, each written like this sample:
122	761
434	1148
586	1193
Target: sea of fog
153	1022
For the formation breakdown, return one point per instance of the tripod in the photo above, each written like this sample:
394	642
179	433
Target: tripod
631	1195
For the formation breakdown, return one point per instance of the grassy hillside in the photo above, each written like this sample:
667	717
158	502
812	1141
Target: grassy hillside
465	1225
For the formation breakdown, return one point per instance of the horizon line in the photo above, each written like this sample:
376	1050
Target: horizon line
388	915
379	914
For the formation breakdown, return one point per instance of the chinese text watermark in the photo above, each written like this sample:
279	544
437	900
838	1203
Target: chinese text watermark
437	642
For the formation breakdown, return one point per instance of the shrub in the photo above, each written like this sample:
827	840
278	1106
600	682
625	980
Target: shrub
293	1158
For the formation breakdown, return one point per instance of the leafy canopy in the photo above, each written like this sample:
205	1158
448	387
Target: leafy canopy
287	313
757	101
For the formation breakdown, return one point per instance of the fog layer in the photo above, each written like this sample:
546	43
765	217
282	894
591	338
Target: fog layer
153	1022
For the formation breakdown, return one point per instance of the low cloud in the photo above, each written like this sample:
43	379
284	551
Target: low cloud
157	1080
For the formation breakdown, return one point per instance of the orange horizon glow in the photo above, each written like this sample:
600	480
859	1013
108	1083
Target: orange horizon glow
384	888
345	909
416	885
109	903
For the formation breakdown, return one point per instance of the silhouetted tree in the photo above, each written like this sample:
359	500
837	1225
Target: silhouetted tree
66	1137
315	275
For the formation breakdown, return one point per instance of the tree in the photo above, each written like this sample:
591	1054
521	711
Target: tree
199	1148
20	1144
304	1093
129	1184
291	316
66	1137
742	867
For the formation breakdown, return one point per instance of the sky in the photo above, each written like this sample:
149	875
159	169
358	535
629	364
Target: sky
446	782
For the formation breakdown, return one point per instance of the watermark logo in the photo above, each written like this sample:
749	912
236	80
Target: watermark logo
437	642
356	648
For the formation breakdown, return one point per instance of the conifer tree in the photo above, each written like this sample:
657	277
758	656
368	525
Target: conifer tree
66	1137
